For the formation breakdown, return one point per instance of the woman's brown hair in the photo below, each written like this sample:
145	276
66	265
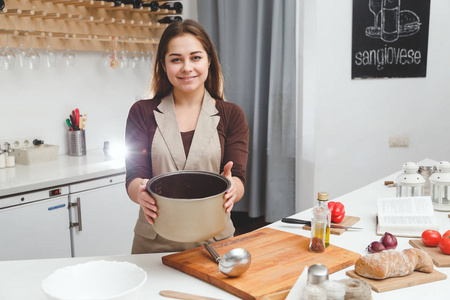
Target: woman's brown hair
161	85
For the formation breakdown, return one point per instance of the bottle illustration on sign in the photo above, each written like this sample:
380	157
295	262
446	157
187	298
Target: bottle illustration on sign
391	23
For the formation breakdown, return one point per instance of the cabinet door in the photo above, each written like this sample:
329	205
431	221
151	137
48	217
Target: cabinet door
107	221
36	230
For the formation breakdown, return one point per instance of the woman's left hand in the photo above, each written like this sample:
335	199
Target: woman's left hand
230	195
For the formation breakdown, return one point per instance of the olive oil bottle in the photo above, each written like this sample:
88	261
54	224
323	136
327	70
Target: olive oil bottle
322	204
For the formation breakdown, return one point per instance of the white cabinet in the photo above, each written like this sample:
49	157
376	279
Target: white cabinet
102	217
35	230
89	218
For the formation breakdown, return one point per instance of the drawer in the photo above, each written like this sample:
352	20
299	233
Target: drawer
97	183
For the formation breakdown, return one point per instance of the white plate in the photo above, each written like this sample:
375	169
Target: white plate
95	280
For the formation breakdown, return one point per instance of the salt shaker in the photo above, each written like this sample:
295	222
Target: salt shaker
2	159
317	275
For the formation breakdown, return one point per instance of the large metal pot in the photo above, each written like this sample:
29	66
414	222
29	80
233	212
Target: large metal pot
190	205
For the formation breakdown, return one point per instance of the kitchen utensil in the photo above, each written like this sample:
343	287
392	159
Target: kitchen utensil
298	221
69	125
77	142
187	200
233	263
95	280
184	296
278	259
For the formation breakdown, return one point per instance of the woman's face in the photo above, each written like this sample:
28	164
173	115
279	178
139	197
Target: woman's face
186	64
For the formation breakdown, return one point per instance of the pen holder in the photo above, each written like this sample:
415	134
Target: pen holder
77	143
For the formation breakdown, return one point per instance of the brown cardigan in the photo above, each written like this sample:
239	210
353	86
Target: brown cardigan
140	129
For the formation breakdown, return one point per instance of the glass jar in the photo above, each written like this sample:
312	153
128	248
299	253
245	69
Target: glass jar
319	225
440	187
322	203
410	183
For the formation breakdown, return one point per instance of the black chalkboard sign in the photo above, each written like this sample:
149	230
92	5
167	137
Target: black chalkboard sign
390	38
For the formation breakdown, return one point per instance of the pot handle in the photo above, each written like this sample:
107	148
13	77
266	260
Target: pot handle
212	252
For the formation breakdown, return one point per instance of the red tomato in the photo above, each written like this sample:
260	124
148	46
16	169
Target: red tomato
431	238
444	244
447	233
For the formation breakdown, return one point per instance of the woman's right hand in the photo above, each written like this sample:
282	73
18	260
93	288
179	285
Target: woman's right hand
147	202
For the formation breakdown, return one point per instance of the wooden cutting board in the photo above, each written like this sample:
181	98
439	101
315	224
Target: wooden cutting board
440	259
395	283
278	258
348	221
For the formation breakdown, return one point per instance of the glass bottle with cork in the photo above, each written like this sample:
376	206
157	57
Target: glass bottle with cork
322	207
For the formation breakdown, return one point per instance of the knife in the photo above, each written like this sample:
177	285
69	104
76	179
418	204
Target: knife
308	223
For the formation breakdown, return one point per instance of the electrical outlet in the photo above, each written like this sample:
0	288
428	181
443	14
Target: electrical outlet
398	142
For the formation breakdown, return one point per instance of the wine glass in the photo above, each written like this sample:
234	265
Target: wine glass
123	58
32	58
375	8
134	59
50	57
21	51
68	57
7	58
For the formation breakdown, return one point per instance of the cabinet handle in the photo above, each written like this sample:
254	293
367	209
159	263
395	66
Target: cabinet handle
78	205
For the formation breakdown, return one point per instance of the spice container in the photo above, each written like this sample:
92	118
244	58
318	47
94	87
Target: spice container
440	187
317	275
2	159
410	183
10	159
319	225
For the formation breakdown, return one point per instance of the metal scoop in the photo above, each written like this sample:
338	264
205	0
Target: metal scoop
233	263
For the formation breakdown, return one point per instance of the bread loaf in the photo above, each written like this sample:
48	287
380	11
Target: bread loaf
392	263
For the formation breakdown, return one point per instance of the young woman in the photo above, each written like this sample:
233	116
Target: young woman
186	126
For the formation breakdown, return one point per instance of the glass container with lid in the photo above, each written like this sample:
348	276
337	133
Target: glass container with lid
410	183
440	187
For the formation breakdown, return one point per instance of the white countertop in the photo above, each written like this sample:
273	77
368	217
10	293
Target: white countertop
66	170
22	279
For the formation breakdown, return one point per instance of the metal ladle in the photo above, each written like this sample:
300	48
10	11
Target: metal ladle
233	263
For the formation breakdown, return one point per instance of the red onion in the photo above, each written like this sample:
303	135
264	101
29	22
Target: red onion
389	241
375	247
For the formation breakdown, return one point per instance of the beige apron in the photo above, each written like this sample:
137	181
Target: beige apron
168	155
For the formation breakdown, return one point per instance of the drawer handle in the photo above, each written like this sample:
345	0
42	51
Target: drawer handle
79	224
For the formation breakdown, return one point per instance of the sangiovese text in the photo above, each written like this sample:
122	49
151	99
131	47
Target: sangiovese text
387	56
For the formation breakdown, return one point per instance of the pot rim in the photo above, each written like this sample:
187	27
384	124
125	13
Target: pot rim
155	178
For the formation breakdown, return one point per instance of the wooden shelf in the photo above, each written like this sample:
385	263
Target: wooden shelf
81	24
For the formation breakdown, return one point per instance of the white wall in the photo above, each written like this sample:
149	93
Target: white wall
36	103
352	120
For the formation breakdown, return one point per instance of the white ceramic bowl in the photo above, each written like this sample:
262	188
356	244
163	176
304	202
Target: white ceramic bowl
95	280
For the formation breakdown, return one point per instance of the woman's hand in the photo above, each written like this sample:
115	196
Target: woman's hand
231	195
146	201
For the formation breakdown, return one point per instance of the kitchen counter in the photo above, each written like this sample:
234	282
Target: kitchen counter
22	279
66	170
